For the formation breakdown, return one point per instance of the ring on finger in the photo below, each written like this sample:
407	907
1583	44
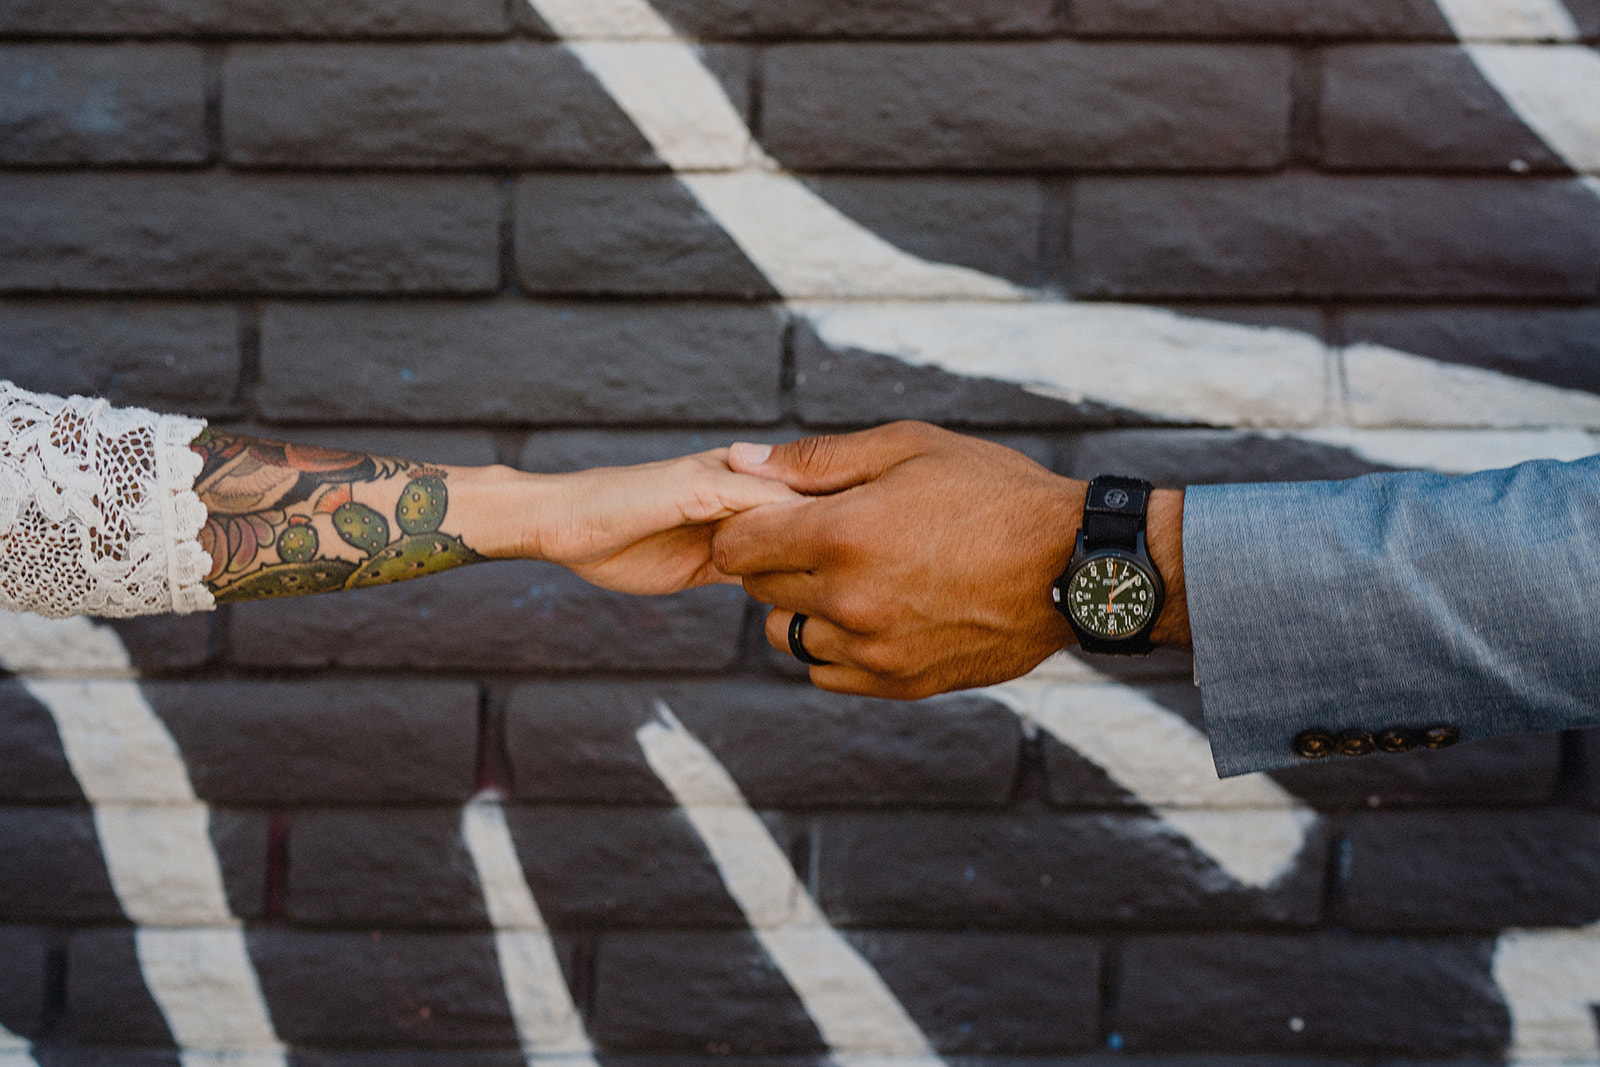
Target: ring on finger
797	645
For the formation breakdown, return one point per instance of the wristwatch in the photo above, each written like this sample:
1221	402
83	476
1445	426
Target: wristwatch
1111	593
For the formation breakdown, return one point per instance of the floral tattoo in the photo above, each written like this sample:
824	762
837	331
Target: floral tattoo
287	519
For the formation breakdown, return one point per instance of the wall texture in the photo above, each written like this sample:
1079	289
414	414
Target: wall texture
500	816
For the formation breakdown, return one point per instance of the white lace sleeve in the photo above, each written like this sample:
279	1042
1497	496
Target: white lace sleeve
98	514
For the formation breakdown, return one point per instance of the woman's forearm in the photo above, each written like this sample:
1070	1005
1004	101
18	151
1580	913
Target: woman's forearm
286	519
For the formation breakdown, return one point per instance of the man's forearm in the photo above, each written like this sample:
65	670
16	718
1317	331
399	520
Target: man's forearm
1164	537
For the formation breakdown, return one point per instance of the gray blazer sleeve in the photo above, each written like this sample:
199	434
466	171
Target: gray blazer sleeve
1394	601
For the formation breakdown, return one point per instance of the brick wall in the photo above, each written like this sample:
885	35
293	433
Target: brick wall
1197	241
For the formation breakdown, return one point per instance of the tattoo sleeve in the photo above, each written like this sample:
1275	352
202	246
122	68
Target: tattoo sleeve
287	519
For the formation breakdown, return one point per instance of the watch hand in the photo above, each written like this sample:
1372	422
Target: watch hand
1115	592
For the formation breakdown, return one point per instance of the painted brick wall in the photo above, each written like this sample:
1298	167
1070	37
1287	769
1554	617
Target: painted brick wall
499	815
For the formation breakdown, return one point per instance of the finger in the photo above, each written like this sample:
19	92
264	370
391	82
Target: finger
719	493
783	537
819	637
790	590
829	463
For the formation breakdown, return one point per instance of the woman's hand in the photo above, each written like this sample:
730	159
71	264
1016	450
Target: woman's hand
644	529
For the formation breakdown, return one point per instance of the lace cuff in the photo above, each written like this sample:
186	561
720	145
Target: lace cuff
98	514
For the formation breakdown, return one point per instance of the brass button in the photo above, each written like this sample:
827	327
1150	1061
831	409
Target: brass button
1313	744
1357	743
1441	737
1397	740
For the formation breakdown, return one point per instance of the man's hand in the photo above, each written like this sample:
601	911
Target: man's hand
923	558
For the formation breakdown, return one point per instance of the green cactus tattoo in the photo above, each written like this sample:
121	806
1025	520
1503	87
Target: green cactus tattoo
422	505
362	527
282	519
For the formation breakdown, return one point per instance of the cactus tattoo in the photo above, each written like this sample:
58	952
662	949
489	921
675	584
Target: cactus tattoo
286	519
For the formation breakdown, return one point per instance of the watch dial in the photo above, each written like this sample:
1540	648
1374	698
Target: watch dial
1111	597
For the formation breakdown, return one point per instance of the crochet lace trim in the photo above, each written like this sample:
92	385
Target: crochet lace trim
98	514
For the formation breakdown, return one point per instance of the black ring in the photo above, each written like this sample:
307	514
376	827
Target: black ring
796	625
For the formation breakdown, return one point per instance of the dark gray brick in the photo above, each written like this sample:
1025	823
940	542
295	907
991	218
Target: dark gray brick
377	18
251	743
618	868
1459	870
407	1058
625	234
171	357
862	18
1588	746
382	869
989	224
383	989
240	839
67	1056
30	751
847	387
1310	235
167	644
786	746
51	869
97	104
511	361
993	993
516	104
1242	993
555	451
1503	770
1189	457
218	233
1364	19
695	992
1026	106
22	980
504	616
107	1001
1558	346
1032	870
1420	107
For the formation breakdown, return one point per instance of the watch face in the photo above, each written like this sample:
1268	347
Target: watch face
1111	597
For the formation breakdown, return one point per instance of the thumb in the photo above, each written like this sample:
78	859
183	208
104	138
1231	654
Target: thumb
833	462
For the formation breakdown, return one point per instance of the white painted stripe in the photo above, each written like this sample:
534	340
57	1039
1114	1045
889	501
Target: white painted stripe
1457	451
1389	388
1555	89
614	20
548	1023
15	1051
1551	982
804	245
854	1011
1509	20
1136	358
154	834
1250	826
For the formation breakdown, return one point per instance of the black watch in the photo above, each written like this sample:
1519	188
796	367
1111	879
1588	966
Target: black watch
1111	593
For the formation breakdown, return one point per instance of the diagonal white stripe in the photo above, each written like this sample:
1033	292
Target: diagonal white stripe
854	1011
1250	826
1509	20
1551	982
15	1051
1555	89
154	833
547	1021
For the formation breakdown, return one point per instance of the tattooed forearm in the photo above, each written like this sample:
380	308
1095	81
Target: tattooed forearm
286	519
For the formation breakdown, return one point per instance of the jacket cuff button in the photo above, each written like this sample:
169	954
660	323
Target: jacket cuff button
1313	744
1356	743
1397	741
1441	737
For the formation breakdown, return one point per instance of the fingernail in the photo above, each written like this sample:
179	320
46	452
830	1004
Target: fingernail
750	455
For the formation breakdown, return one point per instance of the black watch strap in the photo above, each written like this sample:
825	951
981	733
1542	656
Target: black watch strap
1114	512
